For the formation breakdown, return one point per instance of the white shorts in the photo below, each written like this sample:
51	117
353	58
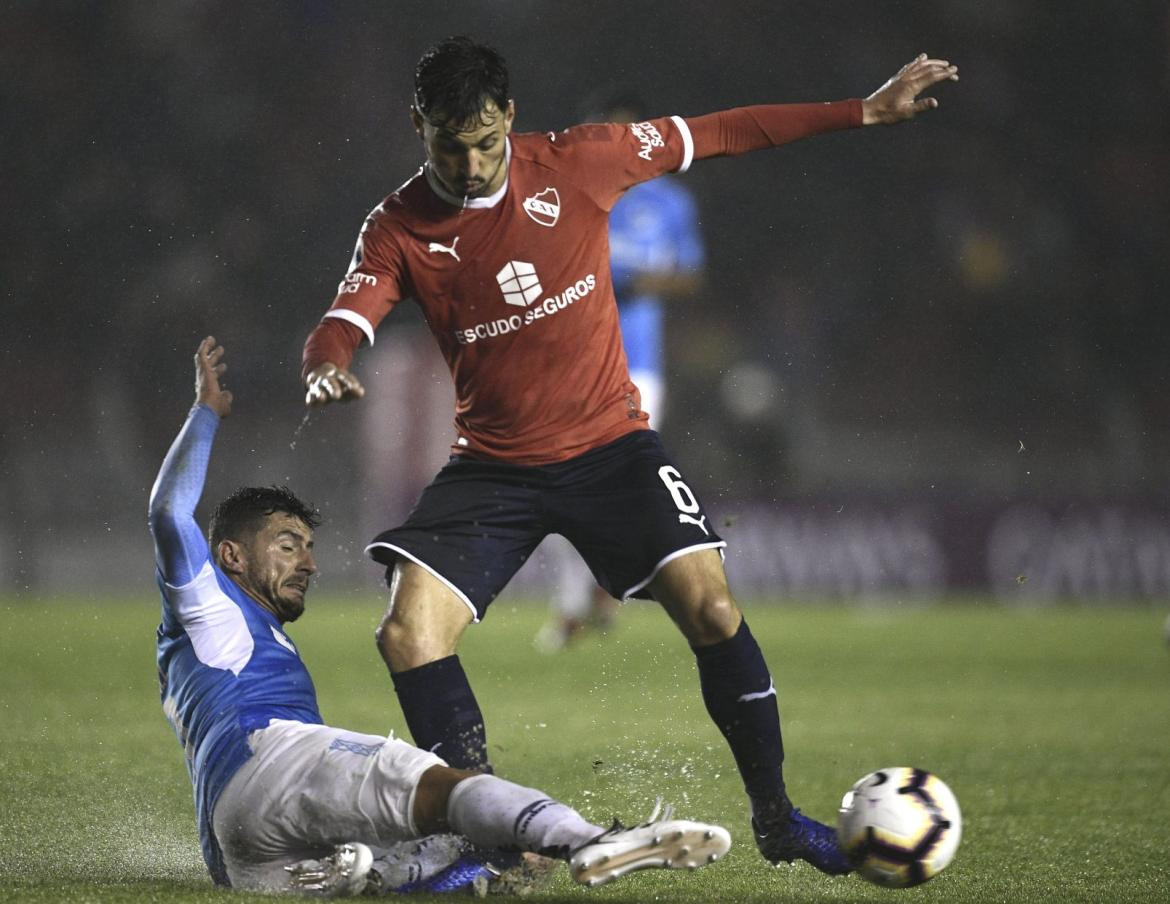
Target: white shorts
307	788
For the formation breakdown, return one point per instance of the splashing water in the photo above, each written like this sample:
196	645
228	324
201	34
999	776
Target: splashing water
300	429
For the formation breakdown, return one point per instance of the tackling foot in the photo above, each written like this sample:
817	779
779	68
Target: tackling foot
658	843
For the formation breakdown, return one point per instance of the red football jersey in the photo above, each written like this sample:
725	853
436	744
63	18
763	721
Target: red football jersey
516	287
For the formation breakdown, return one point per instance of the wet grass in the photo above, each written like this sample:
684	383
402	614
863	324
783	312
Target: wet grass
1052	728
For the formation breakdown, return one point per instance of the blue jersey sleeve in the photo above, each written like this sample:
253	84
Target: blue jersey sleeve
180	549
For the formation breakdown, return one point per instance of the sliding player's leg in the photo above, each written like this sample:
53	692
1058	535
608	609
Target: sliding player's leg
311	806
495	813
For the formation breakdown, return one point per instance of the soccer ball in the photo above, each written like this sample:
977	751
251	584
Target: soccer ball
899	826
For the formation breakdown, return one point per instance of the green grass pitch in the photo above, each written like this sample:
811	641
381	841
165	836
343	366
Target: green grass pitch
1052	727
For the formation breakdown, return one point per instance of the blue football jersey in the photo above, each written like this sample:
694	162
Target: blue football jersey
653	228
226	668
225	665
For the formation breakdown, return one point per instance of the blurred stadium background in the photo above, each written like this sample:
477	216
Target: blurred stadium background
926	361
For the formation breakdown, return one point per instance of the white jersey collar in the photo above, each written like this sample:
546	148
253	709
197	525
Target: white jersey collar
459	201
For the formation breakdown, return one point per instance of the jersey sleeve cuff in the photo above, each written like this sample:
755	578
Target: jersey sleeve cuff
353	317
856	113
688	143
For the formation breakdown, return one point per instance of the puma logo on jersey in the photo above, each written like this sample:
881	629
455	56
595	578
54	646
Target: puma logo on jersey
698	522
435	246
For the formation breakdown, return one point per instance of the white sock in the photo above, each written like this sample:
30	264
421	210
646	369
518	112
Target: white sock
496	813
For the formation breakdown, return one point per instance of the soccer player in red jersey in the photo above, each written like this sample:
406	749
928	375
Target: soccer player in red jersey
501	239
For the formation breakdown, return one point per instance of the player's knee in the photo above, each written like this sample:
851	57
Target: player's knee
404	647
711	619
394	642
382	638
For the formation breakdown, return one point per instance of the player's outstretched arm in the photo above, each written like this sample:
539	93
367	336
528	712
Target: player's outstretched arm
897	100
327	383
179	545
743	129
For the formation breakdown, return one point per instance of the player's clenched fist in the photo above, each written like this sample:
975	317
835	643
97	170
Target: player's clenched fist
329	383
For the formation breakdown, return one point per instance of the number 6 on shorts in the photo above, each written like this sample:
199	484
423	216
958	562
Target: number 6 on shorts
684	499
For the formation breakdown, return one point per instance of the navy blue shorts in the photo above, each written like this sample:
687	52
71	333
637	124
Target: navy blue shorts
624	506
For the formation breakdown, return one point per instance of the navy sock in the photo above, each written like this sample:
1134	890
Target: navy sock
729	672
442	714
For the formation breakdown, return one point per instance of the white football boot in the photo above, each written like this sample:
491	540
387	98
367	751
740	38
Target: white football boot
658	843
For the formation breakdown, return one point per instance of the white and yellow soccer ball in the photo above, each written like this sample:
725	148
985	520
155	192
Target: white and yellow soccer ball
899	826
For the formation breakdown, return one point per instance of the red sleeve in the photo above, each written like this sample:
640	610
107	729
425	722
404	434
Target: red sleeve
744	129
333	341
371	288
605	159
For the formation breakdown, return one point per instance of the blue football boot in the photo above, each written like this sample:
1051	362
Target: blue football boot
460	876
785	834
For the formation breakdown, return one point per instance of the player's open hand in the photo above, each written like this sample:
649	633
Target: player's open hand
330	383
897	100
209	367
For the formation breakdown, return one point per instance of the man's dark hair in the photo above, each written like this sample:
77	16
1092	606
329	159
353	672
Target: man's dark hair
242	514
455	79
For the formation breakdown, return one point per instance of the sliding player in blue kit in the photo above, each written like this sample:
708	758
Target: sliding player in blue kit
285	802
